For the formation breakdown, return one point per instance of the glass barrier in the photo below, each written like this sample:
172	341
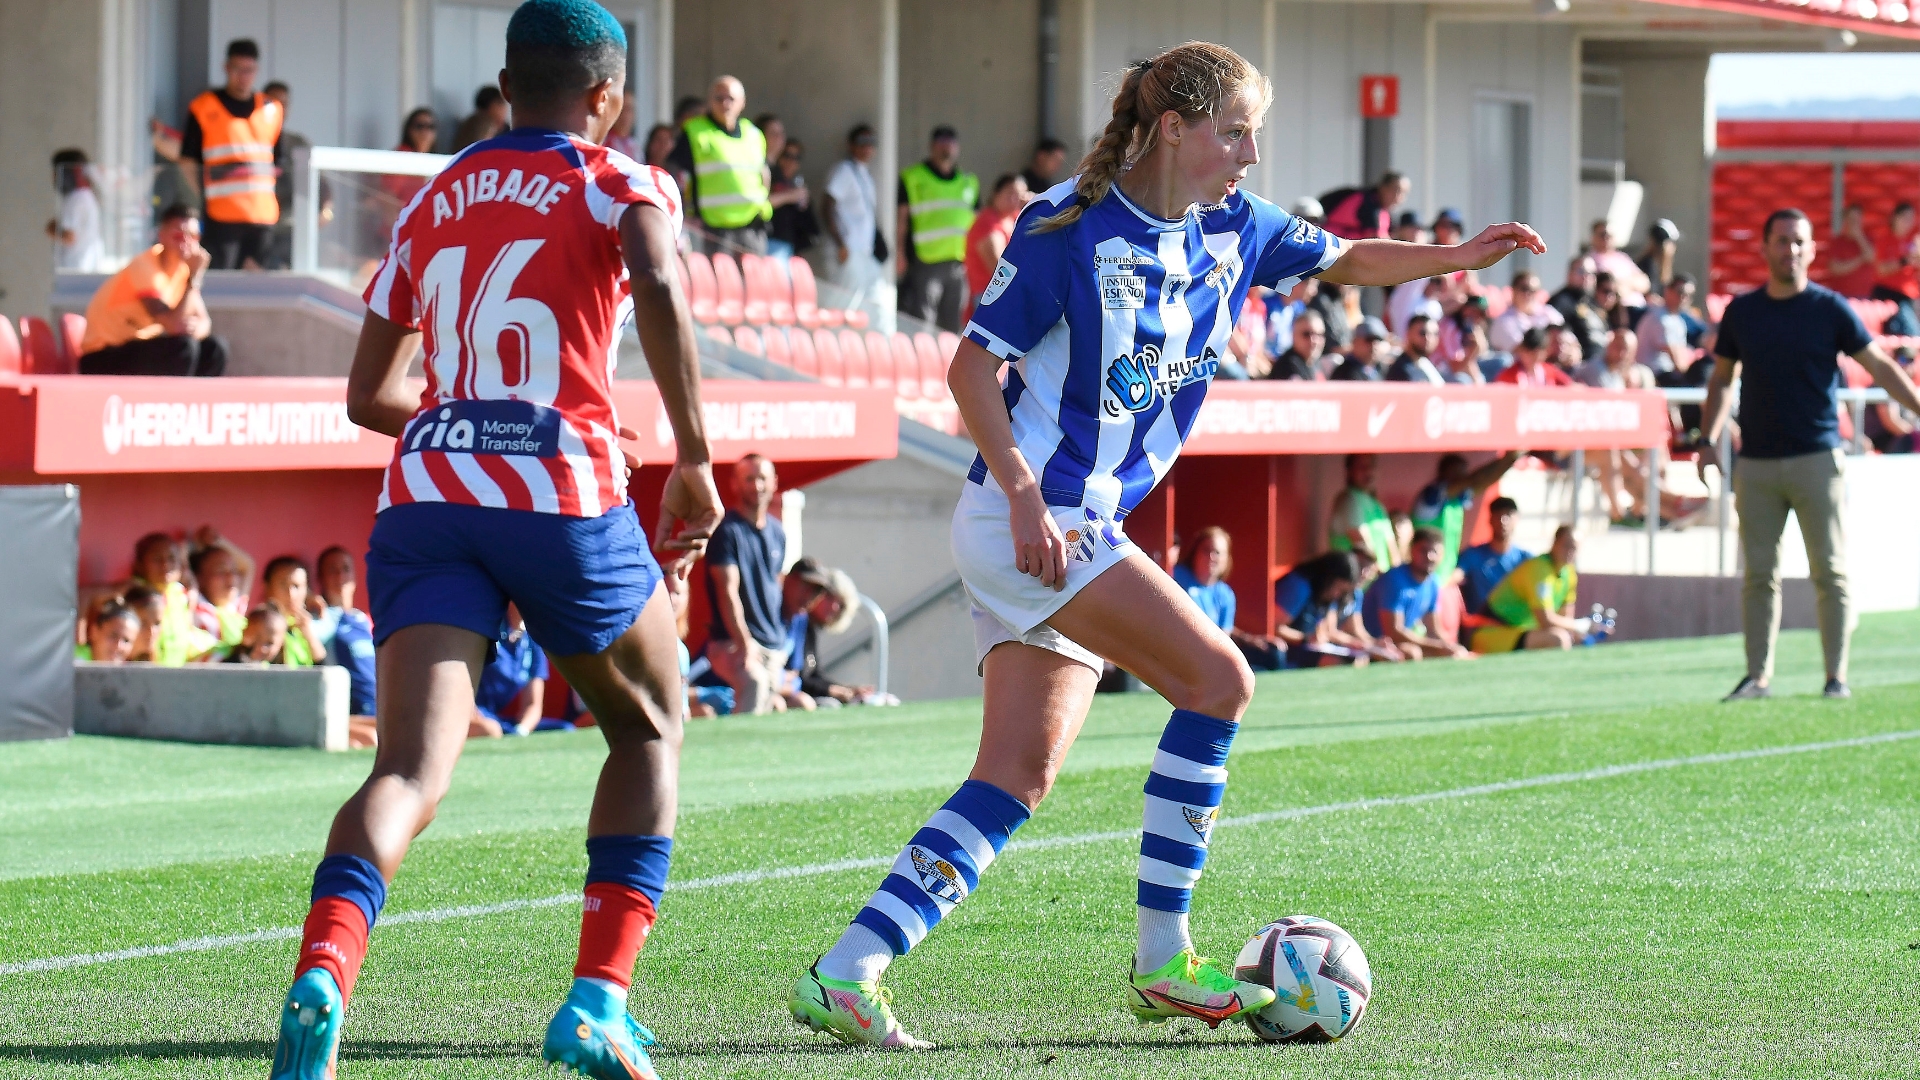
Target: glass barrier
103	216
345	202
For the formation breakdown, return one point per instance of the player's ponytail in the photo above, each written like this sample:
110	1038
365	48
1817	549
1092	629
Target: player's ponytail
1191	79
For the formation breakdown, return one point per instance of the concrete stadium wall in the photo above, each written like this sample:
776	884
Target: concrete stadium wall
1683	607
975	66
1669	137
214	703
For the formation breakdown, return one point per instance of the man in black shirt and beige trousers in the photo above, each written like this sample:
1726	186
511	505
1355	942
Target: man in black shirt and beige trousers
1784	341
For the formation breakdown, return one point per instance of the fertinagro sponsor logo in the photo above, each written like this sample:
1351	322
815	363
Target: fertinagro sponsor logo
135	424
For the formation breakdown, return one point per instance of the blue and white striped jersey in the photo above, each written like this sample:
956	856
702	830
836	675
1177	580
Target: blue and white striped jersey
1115	326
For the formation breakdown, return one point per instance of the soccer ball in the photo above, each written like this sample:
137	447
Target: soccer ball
1318	973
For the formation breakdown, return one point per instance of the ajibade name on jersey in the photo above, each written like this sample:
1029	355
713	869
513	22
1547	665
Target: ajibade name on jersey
509	263
1116	325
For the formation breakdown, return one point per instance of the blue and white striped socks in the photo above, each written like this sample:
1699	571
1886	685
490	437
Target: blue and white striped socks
1183	799
937	869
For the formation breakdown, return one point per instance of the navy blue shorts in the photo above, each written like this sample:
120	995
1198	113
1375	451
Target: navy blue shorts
579	582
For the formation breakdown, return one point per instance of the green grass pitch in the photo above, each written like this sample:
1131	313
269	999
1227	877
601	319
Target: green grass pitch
1749	916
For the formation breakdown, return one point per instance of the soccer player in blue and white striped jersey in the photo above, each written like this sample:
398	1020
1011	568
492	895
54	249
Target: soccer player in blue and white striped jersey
1113	303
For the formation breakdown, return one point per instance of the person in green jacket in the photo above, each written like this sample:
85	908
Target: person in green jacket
1455	493
720	163
937	203
1358	522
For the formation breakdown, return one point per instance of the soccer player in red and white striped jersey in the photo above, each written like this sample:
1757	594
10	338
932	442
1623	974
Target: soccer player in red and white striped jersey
517	267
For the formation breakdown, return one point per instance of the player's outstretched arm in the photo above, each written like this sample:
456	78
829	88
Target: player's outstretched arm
377	395
666	335
1390	262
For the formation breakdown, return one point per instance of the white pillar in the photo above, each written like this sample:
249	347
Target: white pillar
886	172
1427	196
663	62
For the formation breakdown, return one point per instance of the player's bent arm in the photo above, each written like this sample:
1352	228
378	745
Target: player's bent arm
1392	262
1889	376
665	324
377	394
1039	548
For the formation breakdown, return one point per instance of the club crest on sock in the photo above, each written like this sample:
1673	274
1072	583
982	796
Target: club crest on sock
937	875
1201	820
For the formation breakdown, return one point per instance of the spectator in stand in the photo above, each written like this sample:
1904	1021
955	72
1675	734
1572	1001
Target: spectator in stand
1459	332
1330	300
1247	356
1470	365
1528	310
1534	603
1359	213
1567	353
817	600
775	130
1302	359
286	581
1625	469
1606	297
1662	332
1617	369
1530	366
231	151
1656	258
151	606
721	165
1203	575
1850	268
513	685
1416	364
112	633
936	208
1311	604
223	580
1047	167
1897	266
847	213
76	231
702	700
1409	229
158	566
280	247
620	136
686	109
1783	342
347	634
1369	355
1577	307
1425	297
1890	427
746	642
1484	566
264	641
1445	504
488	118
149	318
793	227
1358	523
659	145
987	237
1400	605
1609	259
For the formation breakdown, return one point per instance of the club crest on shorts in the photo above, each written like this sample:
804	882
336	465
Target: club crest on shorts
937	876
1201	821
1079	545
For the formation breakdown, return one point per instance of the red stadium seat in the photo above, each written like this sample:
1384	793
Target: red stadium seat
949	344
804	360
777	350
72	331
906	366
718	333
880	359
9	348
853	353
806	298
780	290
753	270
731	290
855	318
702	293
933	373
747	339
42	355
833	368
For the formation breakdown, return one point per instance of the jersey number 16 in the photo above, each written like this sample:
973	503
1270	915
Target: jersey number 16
501	346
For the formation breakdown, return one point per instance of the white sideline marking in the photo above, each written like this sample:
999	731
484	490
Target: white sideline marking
749	877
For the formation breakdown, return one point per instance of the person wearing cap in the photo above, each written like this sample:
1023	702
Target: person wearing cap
816	599
937	203
1609	259
848	213
1656	258
1369	354
721	163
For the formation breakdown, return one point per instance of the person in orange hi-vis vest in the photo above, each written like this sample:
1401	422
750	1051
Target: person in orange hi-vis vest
231	147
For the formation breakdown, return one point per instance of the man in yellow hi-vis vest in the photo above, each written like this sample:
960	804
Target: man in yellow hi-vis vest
937	203
721	164
230	148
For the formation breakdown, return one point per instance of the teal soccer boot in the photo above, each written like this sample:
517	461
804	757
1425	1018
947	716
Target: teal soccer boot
309	1029
594	1035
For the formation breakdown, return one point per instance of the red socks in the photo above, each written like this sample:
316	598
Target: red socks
614	923
335	938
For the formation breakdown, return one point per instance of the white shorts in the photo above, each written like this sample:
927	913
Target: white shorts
1009	605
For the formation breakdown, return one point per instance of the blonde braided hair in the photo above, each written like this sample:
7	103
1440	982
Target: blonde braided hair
1191	79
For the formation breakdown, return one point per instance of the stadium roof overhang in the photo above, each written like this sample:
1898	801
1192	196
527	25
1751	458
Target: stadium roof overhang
1746	24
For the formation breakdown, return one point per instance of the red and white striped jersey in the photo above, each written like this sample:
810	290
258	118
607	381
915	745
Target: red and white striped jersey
509	263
